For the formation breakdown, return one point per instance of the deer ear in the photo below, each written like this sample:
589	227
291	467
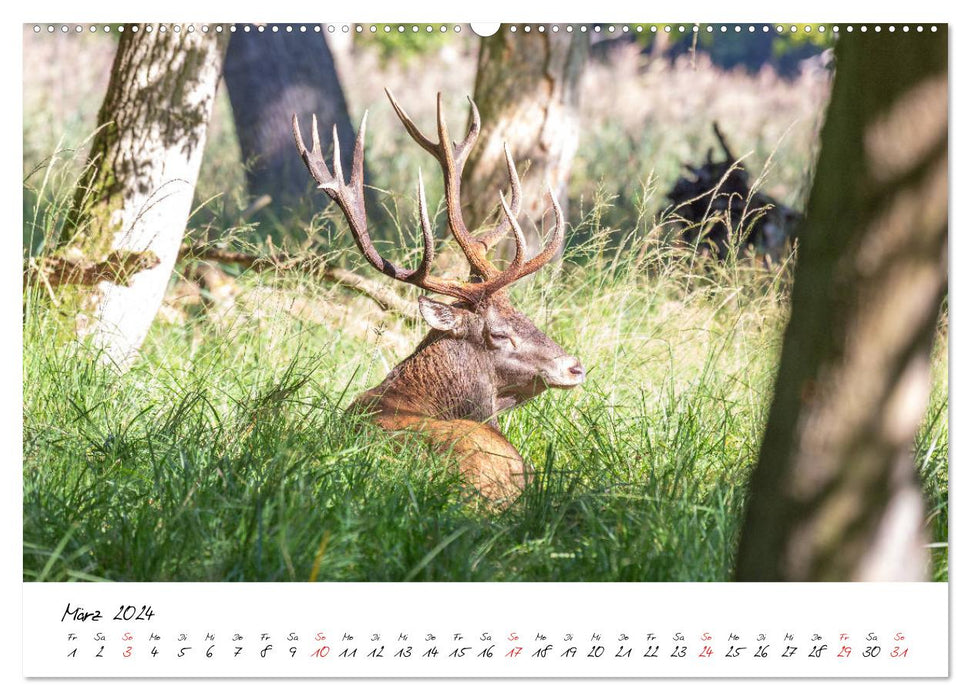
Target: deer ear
440	316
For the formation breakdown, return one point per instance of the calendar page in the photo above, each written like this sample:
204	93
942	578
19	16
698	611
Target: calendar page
510	350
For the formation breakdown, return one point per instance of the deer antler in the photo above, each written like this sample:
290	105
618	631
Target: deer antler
452	159
487	278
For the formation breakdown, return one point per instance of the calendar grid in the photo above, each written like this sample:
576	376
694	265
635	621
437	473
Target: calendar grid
423	630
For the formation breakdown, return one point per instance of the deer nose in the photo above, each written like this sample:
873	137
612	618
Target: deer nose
569	372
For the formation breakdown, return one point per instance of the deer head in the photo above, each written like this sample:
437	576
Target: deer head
481	356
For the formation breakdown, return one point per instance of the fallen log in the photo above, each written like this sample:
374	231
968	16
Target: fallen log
118	268
386	298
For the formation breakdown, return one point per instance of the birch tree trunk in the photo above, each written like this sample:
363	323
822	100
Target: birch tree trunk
527	91
137	191
270	76
835	494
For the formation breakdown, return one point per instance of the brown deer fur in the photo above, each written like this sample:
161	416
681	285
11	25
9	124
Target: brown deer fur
482	356
457	381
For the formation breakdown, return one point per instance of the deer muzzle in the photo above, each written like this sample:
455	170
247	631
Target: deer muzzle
566	372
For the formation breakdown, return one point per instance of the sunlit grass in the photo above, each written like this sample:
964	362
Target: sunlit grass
225	452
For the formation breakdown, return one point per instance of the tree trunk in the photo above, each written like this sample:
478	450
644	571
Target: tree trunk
270	76
527	91
136	194
835	495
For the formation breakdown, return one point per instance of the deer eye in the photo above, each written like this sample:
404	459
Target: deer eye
498	336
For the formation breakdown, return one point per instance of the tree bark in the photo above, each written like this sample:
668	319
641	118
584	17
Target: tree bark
527	92
270	76
835	494
136	194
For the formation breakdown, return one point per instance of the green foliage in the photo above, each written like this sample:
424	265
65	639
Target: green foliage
225	453
805	34
677	33
403	45
752	46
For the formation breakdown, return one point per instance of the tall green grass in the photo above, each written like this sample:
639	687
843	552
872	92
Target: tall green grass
225	452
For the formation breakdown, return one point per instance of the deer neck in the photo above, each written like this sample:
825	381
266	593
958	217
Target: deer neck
444	378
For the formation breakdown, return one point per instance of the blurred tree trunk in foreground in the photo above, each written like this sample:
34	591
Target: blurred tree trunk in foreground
835	495
270	76
136	193
527	89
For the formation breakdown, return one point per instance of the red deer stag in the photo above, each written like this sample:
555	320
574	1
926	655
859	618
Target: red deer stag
481	356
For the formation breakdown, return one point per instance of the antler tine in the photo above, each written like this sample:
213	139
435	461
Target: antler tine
349	197
470	138
413	131
444	142
517	261
517	270
475	292
357	164
471	292
501	229
451	157
315	137
338	171
555	242
312	159
426	230
457	152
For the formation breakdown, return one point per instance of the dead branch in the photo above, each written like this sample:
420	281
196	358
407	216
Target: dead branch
718	208
258	204
121	265
118	268
729	156
385	298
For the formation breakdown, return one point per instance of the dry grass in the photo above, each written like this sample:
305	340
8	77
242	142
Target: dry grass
642	117
224	454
